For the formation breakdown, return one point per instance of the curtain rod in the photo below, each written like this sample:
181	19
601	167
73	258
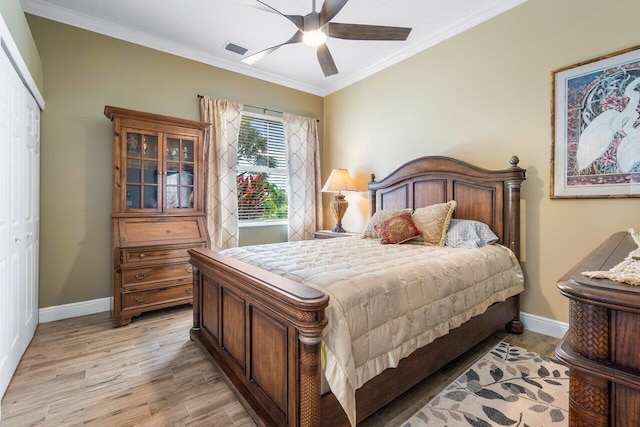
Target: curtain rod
258	108
252	106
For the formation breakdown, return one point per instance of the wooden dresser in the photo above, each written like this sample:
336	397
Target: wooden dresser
602	347
158	210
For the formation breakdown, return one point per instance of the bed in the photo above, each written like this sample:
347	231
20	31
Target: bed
264	330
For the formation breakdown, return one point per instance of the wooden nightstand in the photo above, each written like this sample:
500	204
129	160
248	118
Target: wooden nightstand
328	234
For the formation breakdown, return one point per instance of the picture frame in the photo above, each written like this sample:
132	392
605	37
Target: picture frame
595	119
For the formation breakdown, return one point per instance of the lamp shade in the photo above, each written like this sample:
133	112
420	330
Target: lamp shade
339	180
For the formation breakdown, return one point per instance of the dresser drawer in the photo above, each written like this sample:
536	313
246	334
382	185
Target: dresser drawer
157	274
149	254
169	295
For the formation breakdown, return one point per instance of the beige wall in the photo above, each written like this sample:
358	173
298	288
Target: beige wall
11	11
84	72
483	96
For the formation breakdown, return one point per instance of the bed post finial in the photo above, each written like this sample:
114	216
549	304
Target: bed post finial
513	161
372	194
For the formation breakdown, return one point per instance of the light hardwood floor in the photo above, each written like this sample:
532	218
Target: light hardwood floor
82	371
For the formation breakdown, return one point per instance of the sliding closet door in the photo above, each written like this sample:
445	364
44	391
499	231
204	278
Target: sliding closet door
19	218
30	203
7	314
10	223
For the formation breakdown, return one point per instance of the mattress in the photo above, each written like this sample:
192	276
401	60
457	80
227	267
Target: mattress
385	301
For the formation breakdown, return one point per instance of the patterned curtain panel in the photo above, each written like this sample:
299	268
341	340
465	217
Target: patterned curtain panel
303	157
221	154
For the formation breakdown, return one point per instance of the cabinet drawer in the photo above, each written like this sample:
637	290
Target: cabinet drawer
139	232
149	297
147	254
157	274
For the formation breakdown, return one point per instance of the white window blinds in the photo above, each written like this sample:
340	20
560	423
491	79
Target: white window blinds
262	169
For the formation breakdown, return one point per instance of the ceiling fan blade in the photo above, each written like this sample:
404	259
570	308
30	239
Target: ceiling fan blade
326	61
366	32
297	20
252	59
330	9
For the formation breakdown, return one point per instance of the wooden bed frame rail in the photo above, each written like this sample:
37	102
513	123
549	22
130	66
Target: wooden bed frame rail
264	331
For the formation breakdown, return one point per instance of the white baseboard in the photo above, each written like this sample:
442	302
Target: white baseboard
532	322
76	309
544	325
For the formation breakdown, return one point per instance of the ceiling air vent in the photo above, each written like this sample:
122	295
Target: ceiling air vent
235	48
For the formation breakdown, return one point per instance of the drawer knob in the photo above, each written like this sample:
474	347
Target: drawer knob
189	291
140	299
142	255
189	269
141	276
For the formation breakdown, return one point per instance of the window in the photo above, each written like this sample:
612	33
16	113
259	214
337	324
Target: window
262	169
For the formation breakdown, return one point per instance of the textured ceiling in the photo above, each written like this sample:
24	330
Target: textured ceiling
199	30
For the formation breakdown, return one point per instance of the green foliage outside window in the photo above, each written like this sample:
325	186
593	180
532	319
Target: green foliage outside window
258	198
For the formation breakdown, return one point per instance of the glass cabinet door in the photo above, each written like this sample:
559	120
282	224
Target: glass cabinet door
142	170
180	169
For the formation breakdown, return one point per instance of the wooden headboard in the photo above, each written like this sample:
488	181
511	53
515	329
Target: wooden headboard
489	196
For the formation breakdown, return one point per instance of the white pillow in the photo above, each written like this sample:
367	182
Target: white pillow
464	233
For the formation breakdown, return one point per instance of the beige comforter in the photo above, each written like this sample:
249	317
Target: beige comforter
387	300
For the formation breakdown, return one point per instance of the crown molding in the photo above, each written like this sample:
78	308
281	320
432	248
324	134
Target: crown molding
90	23
460	26
100	26
10	47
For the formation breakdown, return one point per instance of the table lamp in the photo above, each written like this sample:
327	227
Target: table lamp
339	180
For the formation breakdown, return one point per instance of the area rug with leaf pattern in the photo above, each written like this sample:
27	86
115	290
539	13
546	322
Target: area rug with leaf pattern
509	386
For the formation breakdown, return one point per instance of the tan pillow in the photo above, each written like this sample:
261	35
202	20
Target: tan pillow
433	222
378	218
397	229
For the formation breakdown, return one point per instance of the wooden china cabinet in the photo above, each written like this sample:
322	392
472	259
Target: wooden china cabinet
158	210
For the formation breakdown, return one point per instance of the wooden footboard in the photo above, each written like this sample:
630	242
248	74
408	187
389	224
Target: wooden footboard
263	331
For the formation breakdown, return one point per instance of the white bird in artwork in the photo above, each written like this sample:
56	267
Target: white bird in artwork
628	153
600	132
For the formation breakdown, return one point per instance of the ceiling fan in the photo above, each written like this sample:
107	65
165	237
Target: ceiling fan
315	27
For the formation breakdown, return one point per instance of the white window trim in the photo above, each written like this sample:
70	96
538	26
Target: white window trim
263	223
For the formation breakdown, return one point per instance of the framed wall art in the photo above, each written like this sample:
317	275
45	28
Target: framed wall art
596	127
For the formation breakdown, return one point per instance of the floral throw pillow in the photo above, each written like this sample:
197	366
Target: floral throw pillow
397	229
433	222
378	218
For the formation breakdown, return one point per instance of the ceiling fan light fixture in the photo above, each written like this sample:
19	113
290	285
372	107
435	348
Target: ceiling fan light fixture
314	38
314	28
